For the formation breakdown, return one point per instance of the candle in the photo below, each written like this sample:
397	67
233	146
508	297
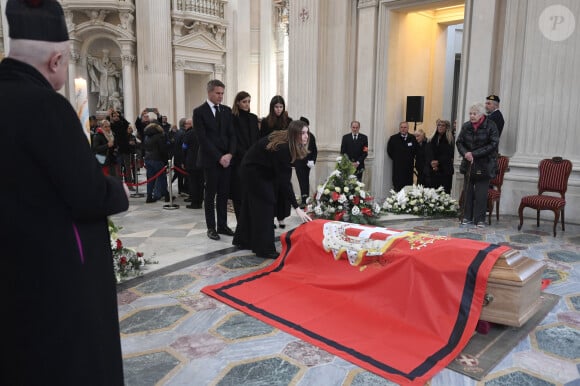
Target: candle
82	105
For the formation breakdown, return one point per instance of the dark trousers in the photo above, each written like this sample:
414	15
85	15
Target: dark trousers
475	199
303	175
236	191
196	188
254	229
217	189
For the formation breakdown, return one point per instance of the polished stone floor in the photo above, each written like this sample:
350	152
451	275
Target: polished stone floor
174	335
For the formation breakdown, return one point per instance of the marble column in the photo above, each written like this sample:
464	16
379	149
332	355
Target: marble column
179	74
72	71
155	64
366	83
267	69
129	108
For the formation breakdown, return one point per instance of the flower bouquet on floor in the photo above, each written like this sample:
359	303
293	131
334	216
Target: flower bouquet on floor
126	261
421	201
343	198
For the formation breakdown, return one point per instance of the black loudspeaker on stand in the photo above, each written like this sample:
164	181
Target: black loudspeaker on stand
136	176
415	109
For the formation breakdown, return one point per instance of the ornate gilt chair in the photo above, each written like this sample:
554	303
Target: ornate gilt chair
494	191
554	174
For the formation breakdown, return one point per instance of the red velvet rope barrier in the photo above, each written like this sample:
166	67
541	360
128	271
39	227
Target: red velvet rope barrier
150	179
180	171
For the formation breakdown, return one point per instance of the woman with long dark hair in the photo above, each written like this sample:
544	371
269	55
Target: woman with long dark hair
247	133
265	170
277	119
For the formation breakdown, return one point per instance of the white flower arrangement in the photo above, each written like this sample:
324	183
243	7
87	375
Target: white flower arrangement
421	201
343	198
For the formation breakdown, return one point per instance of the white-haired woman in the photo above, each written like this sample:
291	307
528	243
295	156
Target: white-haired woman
477	143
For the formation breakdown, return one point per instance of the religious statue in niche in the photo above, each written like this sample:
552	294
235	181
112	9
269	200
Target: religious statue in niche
106	79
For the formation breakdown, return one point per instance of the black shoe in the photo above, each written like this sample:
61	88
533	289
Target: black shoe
268	255
167	197
188	199
212	234
150	200
191	206
241	246
282	226
225	231
275	226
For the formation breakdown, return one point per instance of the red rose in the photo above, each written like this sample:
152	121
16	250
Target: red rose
366	211
368	198
338	215
119	244
139	254
123	260
356	200
335	196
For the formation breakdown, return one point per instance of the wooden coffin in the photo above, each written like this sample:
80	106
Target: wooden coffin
513	290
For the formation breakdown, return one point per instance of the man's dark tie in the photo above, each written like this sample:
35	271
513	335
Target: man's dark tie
217	115
355	137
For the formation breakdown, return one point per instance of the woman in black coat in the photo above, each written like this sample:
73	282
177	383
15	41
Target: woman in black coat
247	134
265	170
277	119
477	143
440	150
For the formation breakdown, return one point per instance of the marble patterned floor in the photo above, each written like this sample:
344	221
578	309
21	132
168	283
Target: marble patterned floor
174	335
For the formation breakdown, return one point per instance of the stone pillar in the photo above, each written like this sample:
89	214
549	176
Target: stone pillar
3	29
155	64
365	104
130	111
72	71
267	73
179	73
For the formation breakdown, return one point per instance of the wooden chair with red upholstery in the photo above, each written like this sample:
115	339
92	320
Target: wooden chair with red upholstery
554	174
494	191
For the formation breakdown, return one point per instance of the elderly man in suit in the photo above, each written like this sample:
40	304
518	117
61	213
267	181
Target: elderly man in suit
402	148
493	113
213	125
356	146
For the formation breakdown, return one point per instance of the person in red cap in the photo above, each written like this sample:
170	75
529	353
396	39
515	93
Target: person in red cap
60	306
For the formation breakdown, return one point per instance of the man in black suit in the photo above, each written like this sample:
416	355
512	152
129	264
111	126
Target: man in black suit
493	113
213	125
402	148
356	146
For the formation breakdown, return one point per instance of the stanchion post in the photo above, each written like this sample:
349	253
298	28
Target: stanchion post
136	175
169	177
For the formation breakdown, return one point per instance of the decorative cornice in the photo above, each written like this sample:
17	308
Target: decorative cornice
367	3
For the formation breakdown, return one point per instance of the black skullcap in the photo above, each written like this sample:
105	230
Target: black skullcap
305	120
36	20
493	98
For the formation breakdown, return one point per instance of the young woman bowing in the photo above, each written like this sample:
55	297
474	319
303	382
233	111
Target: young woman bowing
267	169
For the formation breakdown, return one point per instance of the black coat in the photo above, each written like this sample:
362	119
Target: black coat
215	138
312	153
483	146
247	133
155	145
190	148
402	152
357	151
60	302
497	117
